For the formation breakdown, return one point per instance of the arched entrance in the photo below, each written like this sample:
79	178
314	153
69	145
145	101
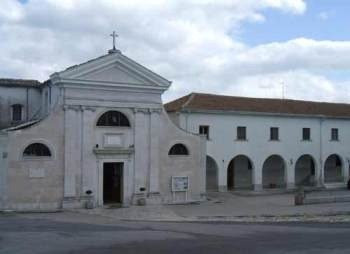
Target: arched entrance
333	172
240	173
273	172
211	174
305	171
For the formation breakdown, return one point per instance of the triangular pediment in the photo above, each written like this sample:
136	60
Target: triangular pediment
116	75
113	69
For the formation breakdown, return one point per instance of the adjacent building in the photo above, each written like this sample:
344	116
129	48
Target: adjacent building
20	101
255	143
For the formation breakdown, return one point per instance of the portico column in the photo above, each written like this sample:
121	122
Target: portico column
290	174
70	152
154	151
346	169
257	177
321	173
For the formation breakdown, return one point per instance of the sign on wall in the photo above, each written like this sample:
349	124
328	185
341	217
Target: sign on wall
113	140
179	183
36	172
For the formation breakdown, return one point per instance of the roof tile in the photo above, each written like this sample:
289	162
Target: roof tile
211	102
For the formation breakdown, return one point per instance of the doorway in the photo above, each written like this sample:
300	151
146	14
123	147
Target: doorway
112	182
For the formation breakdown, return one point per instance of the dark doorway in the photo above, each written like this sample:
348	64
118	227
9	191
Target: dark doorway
112	182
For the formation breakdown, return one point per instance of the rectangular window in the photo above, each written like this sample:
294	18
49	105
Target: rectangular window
204	129
273	133
17	112
306	134
241	133
334	134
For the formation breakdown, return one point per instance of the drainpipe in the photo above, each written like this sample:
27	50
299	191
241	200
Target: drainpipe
320	182
27	105
186	117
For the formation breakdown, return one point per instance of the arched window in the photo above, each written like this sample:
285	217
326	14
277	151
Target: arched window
36	150
113	118
178	149
17	112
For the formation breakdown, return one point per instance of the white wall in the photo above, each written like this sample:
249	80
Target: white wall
223	146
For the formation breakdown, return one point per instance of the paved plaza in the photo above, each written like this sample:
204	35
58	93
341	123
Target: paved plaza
74	233
234	207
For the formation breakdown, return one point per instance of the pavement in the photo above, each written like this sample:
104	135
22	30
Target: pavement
232	206
73	233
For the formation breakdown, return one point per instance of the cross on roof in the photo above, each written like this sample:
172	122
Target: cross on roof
114	35
113	50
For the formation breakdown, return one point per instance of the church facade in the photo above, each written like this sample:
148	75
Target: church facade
97	134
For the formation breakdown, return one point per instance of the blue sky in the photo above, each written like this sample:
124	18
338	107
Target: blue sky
242	48
323	20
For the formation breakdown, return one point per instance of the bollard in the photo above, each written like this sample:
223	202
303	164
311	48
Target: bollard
299	197
89	204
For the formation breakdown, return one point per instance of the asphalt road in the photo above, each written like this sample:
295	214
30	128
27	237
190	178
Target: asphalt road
77	233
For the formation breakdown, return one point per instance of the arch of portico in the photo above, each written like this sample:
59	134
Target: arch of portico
305	171
274	172
212	172
333	169
240	173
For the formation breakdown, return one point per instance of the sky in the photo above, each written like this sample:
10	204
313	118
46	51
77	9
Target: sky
295	49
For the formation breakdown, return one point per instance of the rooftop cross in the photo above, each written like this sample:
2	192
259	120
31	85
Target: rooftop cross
113	50
114	34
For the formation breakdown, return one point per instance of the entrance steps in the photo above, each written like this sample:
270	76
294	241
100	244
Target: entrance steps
267	192
327	196
335	185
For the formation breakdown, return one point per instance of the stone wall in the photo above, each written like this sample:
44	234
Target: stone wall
36	183
192	165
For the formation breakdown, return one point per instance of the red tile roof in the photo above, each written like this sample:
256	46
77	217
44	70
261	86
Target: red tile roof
19	82
212	102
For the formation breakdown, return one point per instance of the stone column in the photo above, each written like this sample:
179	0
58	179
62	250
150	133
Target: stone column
203	166
141	141
319	173
346	169
257	177
70	155
222	175
290	174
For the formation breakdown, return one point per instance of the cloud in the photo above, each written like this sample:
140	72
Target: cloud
194	43
325	15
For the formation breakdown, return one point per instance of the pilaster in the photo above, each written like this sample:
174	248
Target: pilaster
141	140
154	151
88	170
71	165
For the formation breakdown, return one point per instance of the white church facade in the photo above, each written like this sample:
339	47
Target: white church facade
95	132
98	133
259	144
